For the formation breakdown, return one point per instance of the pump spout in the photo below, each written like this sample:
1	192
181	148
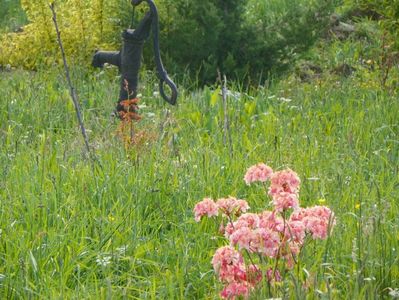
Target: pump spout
109	57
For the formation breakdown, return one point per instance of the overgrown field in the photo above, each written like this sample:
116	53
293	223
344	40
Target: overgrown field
123	227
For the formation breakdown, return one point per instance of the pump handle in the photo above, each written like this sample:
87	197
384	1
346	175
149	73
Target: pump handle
162	74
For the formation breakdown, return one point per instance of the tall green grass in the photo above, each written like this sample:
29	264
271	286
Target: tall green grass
123	227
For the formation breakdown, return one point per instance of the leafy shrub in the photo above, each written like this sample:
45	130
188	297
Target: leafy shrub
243	39
385	11
84	26
383	54
11	15
388	9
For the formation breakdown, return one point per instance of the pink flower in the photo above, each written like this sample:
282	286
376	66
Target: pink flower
320	211
246	220
317	220
284	181
259	172
228	264
234	289
242	205
205	207
242	237
247	235
298	214
295	231
318	227
232	273
226	255
269	220
265	241
284	200
232	206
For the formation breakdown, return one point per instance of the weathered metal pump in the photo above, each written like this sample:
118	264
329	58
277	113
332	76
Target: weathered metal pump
128	59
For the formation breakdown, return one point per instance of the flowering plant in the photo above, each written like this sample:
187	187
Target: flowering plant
129	110
271	241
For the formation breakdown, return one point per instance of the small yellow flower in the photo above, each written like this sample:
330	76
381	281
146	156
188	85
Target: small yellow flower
322	200
111	218
357	206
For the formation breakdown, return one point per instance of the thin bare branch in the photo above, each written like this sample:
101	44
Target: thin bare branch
72	90
226	125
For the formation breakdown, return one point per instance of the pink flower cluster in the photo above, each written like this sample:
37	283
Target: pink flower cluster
316	220
231	206
227	206
284	185
284	181
273	234
259	172
205	207
230	268
284	189
254	233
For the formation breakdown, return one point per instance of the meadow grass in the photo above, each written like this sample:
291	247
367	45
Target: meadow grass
123	227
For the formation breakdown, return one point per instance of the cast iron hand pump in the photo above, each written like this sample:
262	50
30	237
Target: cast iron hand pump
129	58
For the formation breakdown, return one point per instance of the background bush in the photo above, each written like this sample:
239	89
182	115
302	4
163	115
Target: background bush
85	26
243	39
11	15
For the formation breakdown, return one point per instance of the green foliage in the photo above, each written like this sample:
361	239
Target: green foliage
85	26
125	230
242	39
386	11
61	219
11	15
377	26
283	30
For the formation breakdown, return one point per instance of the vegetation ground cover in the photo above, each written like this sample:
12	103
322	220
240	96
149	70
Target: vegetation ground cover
124	227
75	230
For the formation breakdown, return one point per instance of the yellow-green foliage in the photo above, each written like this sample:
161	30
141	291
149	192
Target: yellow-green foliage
85	26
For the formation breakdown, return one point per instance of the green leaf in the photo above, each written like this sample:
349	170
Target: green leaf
33	260
250	107
215	96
